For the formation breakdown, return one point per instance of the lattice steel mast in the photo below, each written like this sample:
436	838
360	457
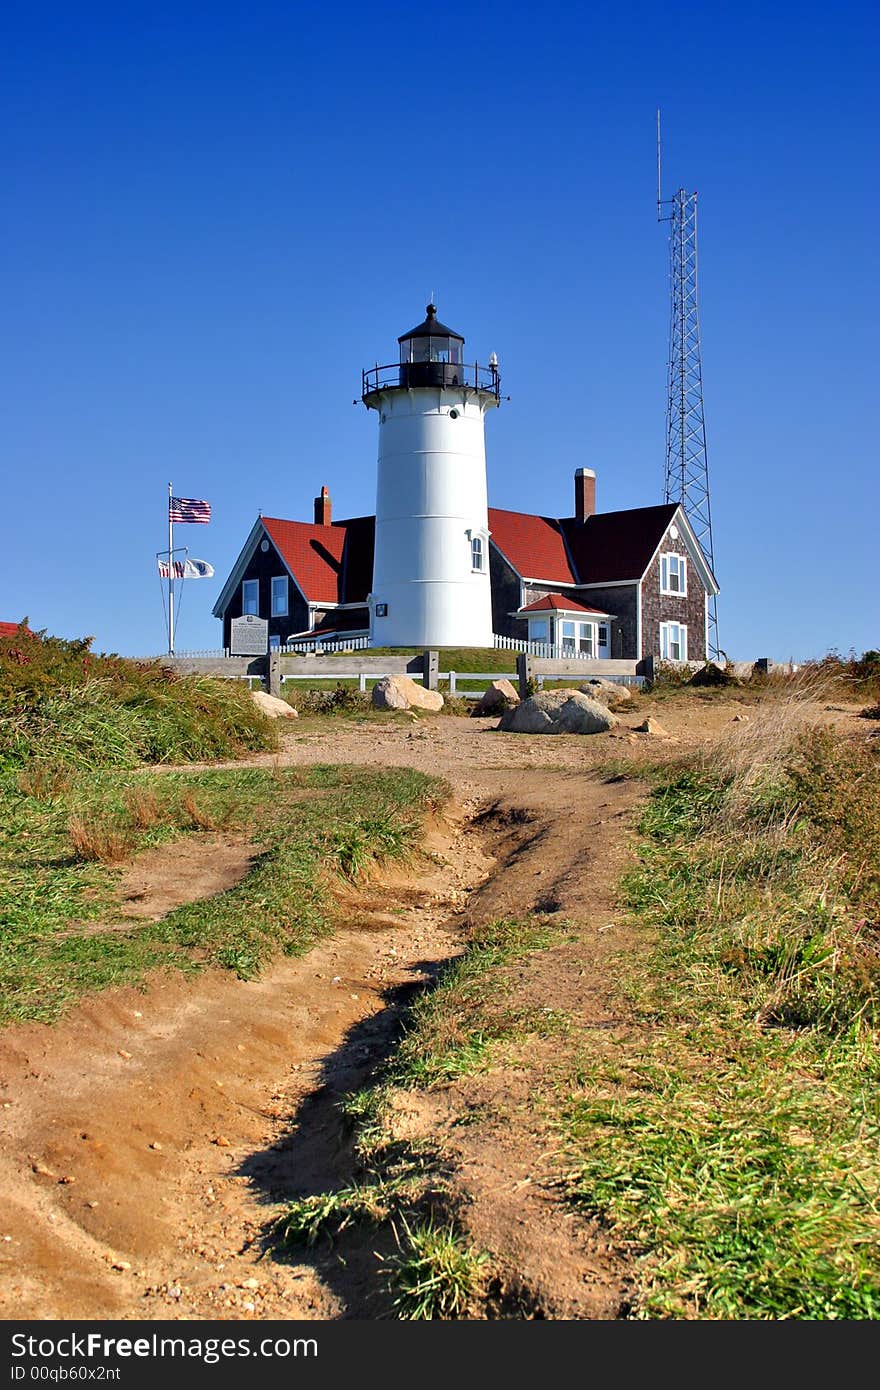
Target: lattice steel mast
687	461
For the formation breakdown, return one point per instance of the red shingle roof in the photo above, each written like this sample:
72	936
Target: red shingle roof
606	547
10	629
534	545
313	554
334	564
558	603
331	564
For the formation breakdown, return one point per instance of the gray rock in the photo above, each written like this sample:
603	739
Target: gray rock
558	712
399	692
501	695
273	706
652	726
607	692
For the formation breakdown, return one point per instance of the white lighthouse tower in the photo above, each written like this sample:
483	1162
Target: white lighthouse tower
431	567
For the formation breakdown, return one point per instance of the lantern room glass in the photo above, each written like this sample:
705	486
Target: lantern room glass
433	349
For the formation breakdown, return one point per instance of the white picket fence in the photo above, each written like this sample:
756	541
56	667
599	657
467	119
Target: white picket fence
318	645
553	650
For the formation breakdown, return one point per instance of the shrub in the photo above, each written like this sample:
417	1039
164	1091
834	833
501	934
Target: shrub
851	675
343	699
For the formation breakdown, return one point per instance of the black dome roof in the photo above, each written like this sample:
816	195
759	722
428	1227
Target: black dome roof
431	328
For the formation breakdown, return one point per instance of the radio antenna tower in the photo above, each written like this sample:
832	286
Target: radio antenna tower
687	461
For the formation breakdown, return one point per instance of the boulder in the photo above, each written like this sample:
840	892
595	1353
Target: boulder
710	675
501	695
598	688
399	692
271	705
558	712
652	726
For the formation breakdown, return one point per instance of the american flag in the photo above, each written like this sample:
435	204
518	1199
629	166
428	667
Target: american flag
189	509
178	568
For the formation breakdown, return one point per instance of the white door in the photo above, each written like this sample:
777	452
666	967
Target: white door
604	641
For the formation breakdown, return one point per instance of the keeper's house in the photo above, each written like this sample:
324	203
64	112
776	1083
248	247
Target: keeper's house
610	585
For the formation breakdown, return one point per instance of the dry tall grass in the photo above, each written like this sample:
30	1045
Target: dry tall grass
762	748
198	816
143	807
43	781
104	841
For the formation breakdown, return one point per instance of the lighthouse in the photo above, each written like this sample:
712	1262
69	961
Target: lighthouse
431	567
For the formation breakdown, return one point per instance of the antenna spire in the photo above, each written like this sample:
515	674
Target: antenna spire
687	461
659	196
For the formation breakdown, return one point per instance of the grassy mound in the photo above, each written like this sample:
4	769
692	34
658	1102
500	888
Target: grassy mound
61	704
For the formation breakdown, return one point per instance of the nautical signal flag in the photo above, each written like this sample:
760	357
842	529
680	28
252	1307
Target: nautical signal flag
186	569
181	509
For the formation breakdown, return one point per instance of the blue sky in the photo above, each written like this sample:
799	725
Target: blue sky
216	215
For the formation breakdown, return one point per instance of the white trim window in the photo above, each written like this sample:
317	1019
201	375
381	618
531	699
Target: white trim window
577	638
673	642
250	597
478	554
279	596
673	574
587	639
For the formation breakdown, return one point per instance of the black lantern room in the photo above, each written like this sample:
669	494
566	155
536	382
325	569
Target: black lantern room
431	354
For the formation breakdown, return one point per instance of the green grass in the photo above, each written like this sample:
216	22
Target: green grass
731	1141
746	1183
304	1221
453	1029
301	823
435	1273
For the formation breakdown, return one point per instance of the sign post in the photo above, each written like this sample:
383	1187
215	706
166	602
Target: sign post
249	636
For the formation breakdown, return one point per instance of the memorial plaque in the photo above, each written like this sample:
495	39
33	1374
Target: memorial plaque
249	636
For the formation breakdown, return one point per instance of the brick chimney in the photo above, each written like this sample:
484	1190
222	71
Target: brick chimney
584	493
323	508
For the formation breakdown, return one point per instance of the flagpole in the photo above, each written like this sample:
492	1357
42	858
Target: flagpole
170	577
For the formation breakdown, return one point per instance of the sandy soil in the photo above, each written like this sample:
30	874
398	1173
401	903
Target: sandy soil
146	1136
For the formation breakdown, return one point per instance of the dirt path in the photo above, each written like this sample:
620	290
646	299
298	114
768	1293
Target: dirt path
146	1136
